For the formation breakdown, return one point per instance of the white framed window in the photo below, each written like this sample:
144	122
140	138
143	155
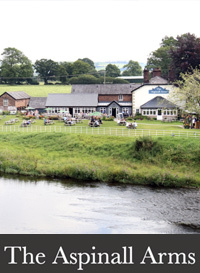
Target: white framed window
5	102
149	112
120	97
103	109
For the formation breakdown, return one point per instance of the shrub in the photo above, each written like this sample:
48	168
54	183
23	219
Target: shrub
146	147
129	118
6	113
55	117
29	117
109	119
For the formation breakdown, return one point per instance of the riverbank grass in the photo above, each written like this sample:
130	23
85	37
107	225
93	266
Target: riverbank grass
161	161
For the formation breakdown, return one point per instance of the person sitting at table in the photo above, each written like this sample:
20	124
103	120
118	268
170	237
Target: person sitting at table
100	121
96	123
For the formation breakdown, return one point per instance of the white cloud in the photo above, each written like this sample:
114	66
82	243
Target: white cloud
100	30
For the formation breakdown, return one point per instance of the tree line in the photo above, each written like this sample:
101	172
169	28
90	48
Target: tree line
16	68
179	55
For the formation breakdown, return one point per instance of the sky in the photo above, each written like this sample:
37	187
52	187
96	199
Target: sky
111	30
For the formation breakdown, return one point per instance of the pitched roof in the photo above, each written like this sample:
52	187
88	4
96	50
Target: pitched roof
158	102
72	100
105	88
122	104
38	102
18	95
157	80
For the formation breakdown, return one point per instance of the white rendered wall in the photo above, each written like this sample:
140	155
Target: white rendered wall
142	96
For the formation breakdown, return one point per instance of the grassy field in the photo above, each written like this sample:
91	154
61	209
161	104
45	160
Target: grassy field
162	161
36	90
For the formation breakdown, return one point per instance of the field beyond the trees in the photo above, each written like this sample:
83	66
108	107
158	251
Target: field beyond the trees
40	90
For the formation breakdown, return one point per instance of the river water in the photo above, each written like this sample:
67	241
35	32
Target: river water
69	207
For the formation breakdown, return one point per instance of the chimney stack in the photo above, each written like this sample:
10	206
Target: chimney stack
156	72
146	75
171	75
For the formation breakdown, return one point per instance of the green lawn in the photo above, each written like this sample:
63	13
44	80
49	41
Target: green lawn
145	127
40	90
142	124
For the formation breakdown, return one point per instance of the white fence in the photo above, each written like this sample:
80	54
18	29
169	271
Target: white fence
124	132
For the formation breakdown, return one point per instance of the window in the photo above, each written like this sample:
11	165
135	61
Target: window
5	102
103	110
125	110
149	112
120	97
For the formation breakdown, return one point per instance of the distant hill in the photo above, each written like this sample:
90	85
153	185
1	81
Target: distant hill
120	64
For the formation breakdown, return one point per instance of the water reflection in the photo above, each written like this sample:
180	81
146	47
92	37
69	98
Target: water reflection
68	206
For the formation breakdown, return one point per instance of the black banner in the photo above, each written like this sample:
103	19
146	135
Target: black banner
99	253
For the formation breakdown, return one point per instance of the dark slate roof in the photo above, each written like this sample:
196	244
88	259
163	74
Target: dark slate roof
157	80
105	88
19	95
158	102
72	100
38	102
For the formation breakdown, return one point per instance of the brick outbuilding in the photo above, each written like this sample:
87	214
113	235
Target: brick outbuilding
14	100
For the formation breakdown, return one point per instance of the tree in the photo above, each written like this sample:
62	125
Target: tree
88	61
187	93
15	66
132	69
121	81
84	79
47	69
112	70
80	67
186	54
62	73
161	57
68	66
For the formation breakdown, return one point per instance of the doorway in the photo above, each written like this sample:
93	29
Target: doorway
159	115
114	112
71	111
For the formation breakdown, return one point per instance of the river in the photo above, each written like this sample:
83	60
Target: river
29	206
